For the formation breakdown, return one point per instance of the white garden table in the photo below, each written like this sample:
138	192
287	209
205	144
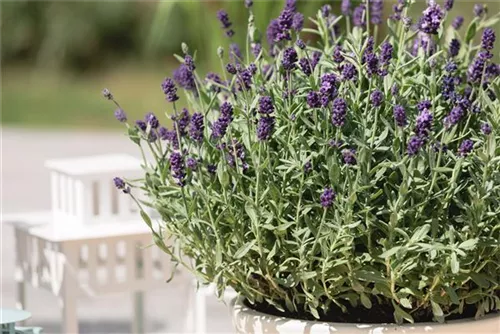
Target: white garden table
86	261
92	242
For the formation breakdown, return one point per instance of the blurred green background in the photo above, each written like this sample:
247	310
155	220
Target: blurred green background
57	56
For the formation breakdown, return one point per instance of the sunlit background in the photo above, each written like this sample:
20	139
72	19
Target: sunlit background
57	56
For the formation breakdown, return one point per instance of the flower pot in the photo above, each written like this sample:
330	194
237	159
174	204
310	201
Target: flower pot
249	321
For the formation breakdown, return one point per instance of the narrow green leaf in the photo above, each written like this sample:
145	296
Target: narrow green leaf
243	250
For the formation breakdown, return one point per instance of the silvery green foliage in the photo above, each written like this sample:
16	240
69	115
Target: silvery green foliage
415	220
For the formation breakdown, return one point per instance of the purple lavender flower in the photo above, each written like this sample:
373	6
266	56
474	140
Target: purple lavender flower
488	39
475	71
431	18
424	123
235	53
448	88
177	168
325	10
196	127
335	143
349	71
256	48
300	43
298	22
456	114
244	80
266	106
370	42
454	48
438	146
407	22
337	54
107	94
191	163
372	64
397	10
285	22
327	197
272	32
305	66
121	185
395	90
316	56
386	50
151	119
376	10
141	125
478	10
451	67
400	115
214	81
231	69
182	121
359	16
448	5
252	68
169	89
313	100
339	110
328	88
223	17
289	59
424	104
466	147
486	129
345	7
169	136
349	156
220	126
457	22
248	3
414	145
184	77
120	115
377	97
211	169
265	128
189	61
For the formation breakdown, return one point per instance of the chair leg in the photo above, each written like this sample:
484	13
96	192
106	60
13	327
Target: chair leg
70	321
138	322
21	296
201	310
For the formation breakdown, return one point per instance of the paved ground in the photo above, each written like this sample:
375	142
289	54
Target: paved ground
25	187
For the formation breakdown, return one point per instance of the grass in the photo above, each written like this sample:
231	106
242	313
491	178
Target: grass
45	98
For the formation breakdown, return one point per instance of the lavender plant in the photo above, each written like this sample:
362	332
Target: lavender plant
353	172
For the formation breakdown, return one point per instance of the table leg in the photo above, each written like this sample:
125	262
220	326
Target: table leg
138	324
201	310
70	292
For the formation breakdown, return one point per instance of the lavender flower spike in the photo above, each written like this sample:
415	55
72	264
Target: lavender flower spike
339	111
400	116
169	89
431	18
120	115
196	127
376	10
177	168
488	39
466	147
327	197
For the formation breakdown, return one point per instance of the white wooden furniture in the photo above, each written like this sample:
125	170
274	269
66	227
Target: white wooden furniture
83	192
196	319
91	243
